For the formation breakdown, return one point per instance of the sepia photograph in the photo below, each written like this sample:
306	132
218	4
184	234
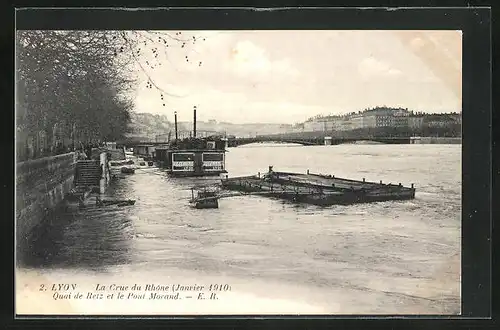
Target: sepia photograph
238	172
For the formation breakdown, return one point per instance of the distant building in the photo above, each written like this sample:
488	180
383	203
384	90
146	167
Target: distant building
370	120
415	122
337	124
441	120
380	112
401	113
357	121
332	123
384	121
345	124
400	121
378	120
457	118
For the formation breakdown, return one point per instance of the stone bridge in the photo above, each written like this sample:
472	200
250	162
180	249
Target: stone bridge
314	140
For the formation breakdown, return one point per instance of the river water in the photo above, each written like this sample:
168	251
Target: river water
398	257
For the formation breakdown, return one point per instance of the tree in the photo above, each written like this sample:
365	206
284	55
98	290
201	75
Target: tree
67	78
84	80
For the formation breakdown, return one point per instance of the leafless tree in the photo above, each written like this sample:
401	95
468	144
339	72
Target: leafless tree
83	80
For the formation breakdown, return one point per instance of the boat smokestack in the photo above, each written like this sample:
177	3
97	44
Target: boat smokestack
175	120
194	121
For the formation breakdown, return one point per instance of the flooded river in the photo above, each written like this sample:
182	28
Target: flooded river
383	258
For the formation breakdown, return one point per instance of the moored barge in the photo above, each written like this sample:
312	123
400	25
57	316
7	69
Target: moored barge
193	156
317	189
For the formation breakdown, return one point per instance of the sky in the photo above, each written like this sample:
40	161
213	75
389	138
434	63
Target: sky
289	76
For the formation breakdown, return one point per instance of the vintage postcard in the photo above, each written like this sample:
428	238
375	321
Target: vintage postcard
269	172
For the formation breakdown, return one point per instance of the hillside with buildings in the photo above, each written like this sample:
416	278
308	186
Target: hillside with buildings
146	127
385	119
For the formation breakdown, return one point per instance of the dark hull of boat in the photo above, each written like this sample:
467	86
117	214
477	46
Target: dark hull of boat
118	202
207	204
194	174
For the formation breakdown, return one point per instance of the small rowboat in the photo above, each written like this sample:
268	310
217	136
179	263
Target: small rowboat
205	198
127	170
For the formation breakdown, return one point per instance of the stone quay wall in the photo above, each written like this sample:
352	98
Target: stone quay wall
41	186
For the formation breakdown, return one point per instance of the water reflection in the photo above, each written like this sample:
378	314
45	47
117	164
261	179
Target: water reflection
89	239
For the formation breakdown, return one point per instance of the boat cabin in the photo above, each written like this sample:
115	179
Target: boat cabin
147	151
196	157
193	155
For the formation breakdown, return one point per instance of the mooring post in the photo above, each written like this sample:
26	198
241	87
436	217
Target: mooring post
363	179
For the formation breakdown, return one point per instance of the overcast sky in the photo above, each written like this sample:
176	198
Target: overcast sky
288	76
